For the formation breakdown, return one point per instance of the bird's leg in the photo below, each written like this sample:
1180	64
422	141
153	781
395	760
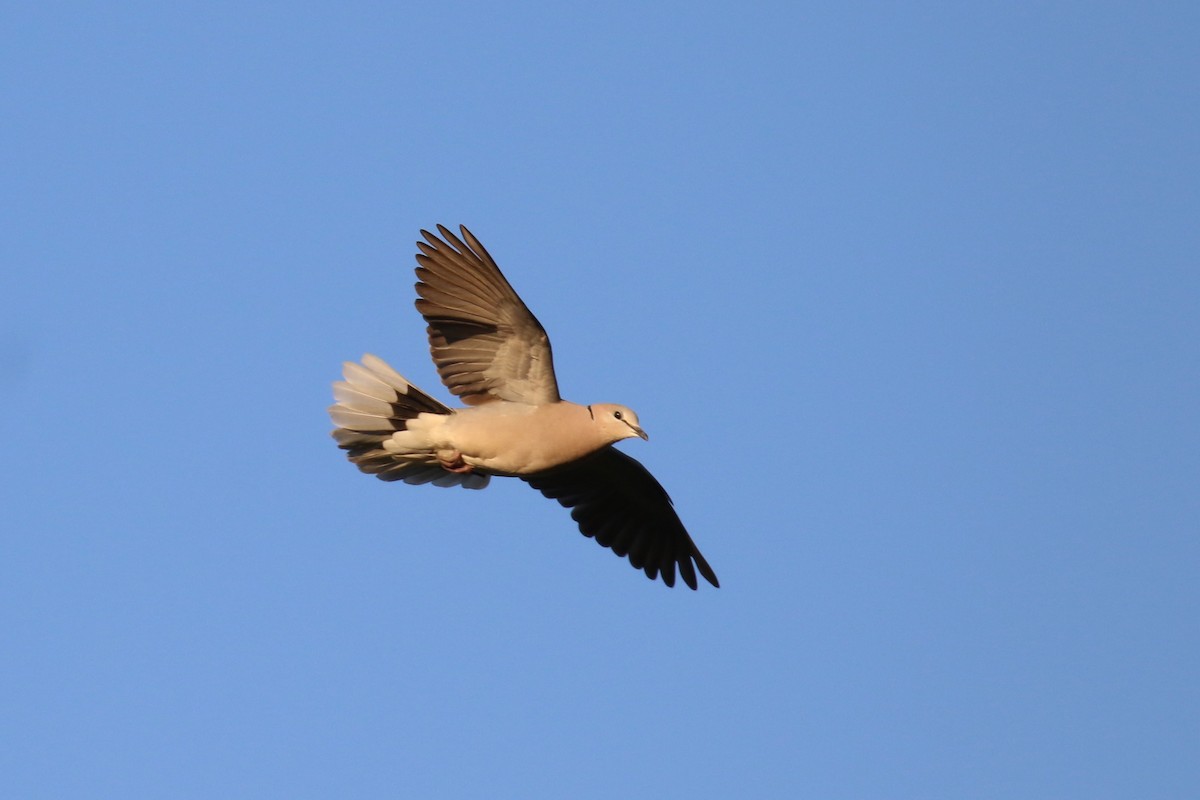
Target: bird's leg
452	461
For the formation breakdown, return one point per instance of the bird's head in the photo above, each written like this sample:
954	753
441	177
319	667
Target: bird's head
617	422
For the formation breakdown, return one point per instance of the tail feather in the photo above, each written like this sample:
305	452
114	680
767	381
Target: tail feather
374	403
355	400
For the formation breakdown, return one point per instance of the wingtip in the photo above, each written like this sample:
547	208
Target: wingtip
687	572
689	565
433	240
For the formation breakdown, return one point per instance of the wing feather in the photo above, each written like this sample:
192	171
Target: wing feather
485	342
616	501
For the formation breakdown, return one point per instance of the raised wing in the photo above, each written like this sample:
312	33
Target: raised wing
485	342
617	502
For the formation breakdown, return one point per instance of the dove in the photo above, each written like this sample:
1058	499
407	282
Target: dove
494	356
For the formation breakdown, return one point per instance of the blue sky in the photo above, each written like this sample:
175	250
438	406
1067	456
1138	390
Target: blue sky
906	296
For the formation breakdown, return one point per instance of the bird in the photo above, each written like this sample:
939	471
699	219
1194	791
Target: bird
492	354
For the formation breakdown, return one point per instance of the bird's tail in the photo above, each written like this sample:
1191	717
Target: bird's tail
375	402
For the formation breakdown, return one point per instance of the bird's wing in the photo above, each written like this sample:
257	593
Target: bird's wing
617	502
485	342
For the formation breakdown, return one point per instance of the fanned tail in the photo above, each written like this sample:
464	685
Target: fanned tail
374	403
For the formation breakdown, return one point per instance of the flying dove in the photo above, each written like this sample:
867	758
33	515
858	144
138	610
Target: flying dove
494	355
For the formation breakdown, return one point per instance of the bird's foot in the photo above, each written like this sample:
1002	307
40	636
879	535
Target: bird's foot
452	461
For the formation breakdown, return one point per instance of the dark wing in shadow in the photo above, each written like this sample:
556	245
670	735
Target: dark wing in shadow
617	502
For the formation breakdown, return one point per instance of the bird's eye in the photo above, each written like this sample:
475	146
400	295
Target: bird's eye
616	414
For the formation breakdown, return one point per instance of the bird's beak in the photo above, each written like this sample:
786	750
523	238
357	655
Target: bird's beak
645	436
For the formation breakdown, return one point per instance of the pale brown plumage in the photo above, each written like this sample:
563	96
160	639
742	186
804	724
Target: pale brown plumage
491	352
